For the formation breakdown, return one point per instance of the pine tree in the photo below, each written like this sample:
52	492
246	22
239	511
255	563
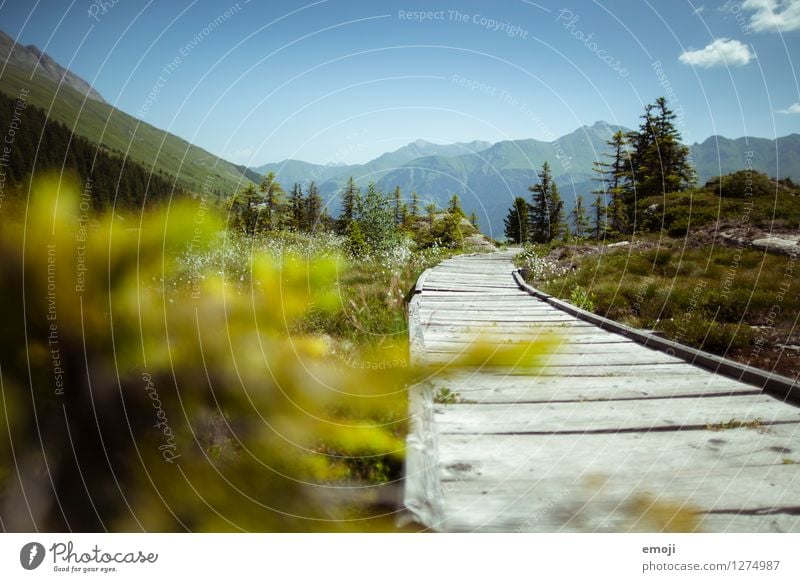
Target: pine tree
414	209
405	221
579	220
297	209
355	242
244	209
454	206
351	203
473	220
615	182
397	199
448	231
272	195
431	210
313	216
517	222
660	163
547	211
599	222
376	219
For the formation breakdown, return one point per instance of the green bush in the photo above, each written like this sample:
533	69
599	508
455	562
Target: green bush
165	395
742	184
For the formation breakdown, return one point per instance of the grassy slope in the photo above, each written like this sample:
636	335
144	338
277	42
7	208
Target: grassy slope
691	288
120	132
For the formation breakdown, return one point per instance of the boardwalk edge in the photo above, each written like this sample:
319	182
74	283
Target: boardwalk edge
422	496
780	387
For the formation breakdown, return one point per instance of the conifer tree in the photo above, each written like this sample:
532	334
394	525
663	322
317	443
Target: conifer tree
517	222
314	209
376	219
454	206
599	223
431	210
397	206
244	209
414	209
580	222
547	211
351	203
272	196
660	163
614	177
297	209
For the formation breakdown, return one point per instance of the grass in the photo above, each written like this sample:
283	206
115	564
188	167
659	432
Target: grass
198	170
366	331
733	423
719	299
446	396
678	213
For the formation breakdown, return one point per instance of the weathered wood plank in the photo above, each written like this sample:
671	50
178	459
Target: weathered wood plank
622	358
483	388
495	458
562	337
598	502
630	415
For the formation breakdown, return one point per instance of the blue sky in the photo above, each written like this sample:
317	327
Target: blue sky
339	81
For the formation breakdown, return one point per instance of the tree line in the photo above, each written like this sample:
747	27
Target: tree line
643	163
41	144
370	220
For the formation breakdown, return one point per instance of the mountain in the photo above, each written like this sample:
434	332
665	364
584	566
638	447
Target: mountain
331	176
119	133
779	158
489	178
30	58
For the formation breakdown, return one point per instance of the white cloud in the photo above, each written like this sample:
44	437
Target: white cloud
721	52
792	109
698	10
773	15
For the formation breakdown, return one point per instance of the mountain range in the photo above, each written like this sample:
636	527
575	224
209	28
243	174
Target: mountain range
487	176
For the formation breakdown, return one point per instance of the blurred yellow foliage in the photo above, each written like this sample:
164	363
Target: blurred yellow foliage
133	402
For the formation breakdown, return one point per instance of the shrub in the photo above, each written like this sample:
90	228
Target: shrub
742	184
117	350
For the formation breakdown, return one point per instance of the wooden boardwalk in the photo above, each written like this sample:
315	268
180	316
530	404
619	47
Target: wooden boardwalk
608	435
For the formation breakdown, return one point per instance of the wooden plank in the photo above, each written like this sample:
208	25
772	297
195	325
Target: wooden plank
500	317
562	347
483	389
562	336
631	415
507	327
599	503
622	358
558	369
486	306
628	455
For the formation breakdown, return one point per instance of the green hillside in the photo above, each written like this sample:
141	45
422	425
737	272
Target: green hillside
778	158
194	168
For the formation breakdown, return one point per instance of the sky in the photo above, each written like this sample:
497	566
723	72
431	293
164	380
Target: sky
338	81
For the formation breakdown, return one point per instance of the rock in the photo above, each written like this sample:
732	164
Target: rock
479	243
623	243
786	244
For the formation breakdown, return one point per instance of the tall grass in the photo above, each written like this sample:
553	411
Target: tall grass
717	299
